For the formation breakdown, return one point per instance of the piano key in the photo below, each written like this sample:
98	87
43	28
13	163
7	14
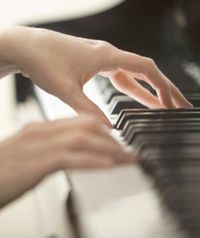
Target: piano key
178	165
119	99
179	195
153	114
155	121
156	170
164	150
121	102
110	93
159	127
195	102
102	82
192	95
148	142
148	145
193	98
125	111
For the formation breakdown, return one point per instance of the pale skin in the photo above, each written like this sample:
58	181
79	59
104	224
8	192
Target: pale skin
61	65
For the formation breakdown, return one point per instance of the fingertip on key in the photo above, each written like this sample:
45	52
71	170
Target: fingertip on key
189	105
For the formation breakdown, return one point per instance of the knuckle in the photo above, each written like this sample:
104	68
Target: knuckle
104	44
149	66
163	86
118	76
106	48
150	62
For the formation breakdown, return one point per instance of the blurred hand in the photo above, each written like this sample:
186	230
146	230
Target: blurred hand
43	148
62	64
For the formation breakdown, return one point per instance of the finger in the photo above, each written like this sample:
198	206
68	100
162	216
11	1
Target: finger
179	100
132	88
150	73
86	159
77	160
160	83
84	121
87	140
82	104
90	142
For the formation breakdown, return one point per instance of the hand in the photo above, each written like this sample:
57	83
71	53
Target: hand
43	148
62	64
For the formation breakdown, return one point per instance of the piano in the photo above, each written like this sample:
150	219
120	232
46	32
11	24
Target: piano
158	195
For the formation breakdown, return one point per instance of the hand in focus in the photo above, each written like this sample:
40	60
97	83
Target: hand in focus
62	64
43	148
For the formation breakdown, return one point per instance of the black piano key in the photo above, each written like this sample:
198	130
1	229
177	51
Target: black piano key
168	148
154	121
157	140
195	102
121	102
128	111
176	167
141	111
146	145
177	160
127	130
156	128
152	114
174	164
194	99
133	129
192	95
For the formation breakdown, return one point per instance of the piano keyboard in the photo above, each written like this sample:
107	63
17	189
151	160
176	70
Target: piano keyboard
167	143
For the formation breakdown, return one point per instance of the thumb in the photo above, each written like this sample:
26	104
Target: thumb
82	104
